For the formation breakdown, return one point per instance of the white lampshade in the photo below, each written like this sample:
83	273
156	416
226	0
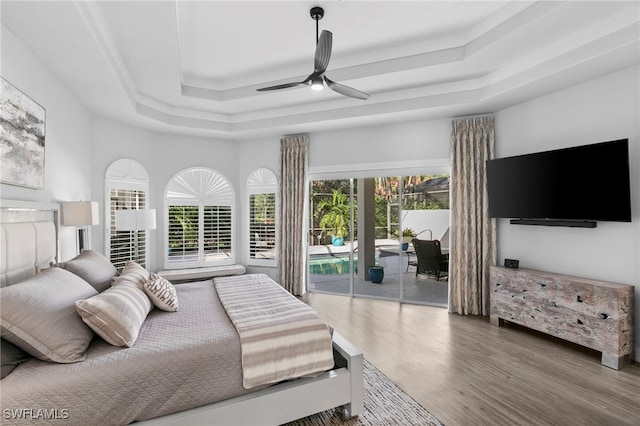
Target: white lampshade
135	220
80	213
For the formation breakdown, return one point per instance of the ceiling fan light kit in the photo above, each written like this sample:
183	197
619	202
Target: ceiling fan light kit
317	78
317	83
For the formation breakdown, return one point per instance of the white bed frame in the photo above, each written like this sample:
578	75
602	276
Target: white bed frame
288	401
277	404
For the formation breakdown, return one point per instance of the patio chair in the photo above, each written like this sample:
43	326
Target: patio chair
430	260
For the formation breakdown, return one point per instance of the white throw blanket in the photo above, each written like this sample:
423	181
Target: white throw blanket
281	337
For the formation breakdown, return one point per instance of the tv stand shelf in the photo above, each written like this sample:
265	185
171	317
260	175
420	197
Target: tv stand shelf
595	314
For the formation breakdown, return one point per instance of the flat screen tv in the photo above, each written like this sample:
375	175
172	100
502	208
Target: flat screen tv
575	186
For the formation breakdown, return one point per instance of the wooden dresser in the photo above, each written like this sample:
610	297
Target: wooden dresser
595	314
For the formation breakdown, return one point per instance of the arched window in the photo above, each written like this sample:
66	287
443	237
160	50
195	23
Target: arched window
262	186
199	212
126	188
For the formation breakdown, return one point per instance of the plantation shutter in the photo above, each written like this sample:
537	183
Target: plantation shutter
262	186
262	226
217	233
200	219
123	243
126	188
184	232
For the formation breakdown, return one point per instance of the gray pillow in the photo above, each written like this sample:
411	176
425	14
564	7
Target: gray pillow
93	267
11	356
39	316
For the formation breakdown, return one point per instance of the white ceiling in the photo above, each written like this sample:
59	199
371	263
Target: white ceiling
193	66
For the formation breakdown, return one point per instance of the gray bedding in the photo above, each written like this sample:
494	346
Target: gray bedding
181	360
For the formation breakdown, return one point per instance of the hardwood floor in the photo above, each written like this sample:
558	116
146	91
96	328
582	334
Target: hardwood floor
467	372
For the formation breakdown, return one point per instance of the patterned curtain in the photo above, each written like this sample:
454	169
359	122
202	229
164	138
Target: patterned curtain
473	233
292	196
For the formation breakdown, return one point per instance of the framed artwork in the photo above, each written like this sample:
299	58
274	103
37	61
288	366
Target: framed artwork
22	129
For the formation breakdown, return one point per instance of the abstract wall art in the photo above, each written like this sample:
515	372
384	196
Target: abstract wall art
22	131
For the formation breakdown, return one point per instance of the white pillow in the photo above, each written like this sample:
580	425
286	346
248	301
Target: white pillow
116	314
161	292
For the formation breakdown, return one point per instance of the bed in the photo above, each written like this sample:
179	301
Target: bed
184	367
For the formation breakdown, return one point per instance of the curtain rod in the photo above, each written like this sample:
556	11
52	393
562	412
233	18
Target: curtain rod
465	117
294	135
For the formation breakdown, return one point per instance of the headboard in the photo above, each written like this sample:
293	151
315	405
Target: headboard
28	239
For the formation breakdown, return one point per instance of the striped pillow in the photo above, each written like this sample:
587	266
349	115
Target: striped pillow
116	314
161	292
132	273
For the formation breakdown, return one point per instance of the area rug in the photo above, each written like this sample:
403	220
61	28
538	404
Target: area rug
384	404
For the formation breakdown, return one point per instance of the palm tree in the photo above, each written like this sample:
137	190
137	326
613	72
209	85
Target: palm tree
337	215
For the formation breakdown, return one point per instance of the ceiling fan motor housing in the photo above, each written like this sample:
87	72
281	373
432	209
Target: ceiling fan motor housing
317	13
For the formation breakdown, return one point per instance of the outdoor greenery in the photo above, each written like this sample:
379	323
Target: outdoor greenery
183	228
408	232
336	214
329	204
262	208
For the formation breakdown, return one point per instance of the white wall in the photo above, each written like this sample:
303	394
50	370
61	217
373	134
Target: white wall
603	109
414	141
163	156
428	224
67	135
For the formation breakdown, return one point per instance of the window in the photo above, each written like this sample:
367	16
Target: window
262	185
126	187
199	208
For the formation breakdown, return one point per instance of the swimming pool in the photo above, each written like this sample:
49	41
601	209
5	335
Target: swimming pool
330	265
338	263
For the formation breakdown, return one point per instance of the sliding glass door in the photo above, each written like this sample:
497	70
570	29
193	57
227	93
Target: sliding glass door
361	232
332	247
380	270
425	216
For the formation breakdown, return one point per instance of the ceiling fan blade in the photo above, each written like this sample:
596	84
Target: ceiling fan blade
279	86
323	52
345	90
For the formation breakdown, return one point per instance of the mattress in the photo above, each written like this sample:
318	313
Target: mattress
181	360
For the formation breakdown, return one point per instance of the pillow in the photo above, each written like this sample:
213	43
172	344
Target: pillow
39	316
116	314
93	267
11	356
132	273
162	293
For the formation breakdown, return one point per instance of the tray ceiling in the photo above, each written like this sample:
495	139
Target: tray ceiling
193	66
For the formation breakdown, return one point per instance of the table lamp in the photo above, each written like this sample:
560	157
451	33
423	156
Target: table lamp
135	220
80	214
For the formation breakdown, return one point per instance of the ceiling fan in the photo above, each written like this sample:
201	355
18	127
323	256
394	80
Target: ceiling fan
317	78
